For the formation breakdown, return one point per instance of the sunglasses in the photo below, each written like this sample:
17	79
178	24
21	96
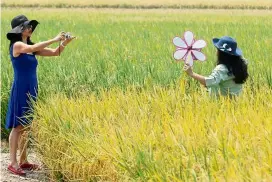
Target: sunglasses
27	27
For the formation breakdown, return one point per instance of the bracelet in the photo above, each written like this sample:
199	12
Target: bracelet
62	45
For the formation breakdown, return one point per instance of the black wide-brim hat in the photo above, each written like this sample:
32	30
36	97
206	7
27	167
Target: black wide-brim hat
227	45
17	25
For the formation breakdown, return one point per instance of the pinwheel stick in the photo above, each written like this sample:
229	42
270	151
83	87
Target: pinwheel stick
189	59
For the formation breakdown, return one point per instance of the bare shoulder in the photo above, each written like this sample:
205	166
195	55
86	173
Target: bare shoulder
16	47
18	44
21	47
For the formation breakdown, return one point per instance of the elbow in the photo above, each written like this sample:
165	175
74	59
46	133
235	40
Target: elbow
55	53
203	83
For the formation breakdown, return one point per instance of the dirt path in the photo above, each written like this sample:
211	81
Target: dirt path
31	176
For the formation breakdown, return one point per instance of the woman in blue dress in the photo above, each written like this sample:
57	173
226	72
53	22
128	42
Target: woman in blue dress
25	85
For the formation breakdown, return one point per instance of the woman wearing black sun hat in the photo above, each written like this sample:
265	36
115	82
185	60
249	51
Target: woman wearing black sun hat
25	84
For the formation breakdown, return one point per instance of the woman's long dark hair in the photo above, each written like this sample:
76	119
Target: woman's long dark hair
18	37
235	64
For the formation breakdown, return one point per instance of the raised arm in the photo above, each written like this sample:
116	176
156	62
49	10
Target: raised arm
195	76
50	52
219	73
54	52
20	47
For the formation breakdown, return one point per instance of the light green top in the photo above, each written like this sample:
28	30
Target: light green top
221	82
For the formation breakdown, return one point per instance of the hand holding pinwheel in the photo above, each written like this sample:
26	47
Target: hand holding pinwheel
189	49
188	69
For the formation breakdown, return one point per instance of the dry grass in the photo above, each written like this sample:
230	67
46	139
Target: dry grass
159	135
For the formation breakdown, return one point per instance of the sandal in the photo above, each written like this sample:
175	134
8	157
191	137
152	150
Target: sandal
29	166
18	171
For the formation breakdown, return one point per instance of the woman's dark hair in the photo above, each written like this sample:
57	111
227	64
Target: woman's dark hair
18	37
235	64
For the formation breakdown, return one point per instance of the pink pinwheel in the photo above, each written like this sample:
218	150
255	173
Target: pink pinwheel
189	49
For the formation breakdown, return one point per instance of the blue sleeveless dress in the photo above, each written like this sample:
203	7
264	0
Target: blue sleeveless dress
24	89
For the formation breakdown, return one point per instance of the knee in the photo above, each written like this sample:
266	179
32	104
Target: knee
18	129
